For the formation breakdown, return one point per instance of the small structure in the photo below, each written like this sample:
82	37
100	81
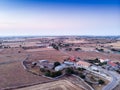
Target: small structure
94	68
43	61
104	60
68	63
45	64
112	64
82	64
72	59
65	64
60	67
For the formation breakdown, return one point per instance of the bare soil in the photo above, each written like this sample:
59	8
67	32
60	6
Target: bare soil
56	85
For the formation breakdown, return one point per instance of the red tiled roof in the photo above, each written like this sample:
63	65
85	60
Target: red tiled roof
72	59
112	63
83	63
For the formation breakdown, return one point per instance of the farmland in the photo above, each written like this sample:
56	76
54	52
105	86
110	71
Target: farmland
56	85
12	54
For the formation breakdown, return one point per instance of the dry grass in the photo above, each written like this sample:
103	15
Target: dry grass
12	75
115	45
39	49
51	55
93	55
56	85
75	41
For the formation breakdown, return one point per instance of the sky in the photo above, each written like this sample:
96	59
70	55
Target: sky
59	17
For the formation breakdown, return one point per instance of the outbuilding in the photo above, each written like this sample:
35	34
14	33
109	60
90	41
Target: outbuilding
60	67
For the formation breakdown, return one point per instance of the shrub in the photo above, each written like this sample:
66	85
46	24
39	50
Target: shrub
81	69
42	69
101	82
81	75
48	73
56	64
55	74
69	71
77	49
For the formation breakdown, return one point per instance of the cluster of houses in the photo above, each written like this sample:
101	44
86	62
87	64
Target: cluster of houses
72	62
75	63
110	65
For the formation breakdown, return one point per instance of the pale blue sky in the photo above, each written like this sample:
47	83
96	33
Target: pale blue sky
74	17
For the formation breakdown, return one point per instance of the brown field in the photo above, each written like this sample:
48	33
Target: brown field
76	41
115	45
26	44
56	85
39	49
93	55
12	73
51	55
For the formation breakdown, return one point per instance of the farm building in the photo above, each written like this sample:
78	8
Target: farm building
68	63
60	67
82	64
45	64
104	60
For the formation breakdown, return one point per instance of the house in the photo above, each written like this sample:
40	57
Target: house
82	64
72	59
104	60
112	64
68	63
60	67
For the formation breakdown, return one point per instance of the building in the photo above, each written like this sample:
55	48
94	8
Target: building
45	64
94	68
112	64
65	64
104	60
68	63
60	67
72	59
82	64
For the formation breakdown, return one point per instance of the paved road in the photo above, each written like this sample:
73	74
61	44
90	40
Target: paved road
113	83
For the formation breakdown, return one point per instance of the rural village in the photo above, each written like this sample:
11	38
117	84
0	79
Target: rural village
87	63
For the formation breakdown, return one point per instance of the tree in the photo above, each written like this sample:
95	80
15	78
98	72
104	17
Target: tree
19	51
77	49
101	82
42	69
100	50
55	46
48	73
69	71
82	76
55	74
81	69
56	64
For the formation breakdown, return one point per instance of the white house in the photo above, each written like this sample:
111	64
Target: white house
69	63
104	60
60	67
